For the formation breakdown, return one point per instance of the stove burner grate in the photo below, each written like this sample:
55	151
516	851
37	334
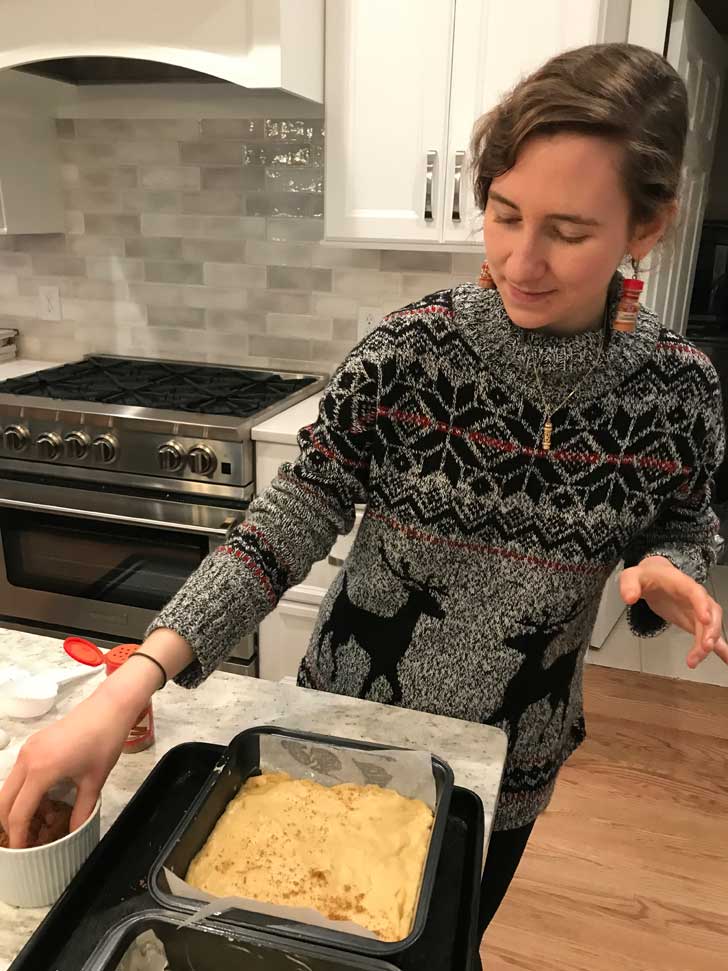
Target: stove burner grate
193	388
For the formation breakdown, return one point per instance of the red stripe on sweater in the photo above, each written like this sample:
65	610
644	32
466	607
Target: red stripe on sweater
254	569
412	532
247	527
558	455
336	456
678	348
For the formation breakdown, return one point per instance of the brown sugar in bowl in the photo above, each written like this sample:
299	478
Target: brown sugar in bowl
37	875
51	822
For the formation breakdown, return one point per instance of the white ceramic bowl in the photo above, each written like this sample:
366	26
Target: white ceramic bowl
30	697
36	877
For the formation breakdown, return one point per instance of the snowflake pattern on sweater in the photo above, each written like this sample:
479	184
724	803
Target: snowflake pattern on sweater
475	578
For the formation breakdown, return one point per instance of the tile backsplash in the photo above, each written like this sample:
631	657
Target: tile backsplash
200	239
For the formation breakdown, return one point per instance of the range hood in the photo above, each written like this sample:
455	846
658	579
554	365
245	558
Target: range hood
253	43
113	70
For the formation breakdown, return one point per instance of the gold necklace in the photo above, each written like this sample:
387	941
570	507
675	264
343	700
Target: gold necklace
548	426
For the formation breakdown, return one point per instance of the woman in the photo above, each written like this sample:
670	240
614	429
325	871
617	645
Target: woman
511	448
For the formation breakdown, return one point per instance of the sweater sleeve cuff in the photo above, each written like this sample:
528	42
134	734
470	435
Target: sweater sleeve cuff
689	559
644	622
220	603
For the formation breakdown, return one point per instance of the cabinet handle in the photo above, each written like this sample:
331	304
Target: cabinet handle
431	160
459	159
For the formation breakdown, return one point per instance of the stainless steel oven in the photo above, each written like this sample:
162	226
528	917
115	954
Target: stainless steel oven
103	563
117	477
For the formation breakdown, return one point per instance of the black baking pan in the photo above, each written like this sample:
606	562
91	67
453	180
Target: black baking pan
206	947
112	884
240	762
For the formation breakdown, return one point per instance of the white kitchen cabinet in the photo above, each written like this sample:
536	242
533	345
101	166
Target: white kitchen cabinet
387	100
268	458
405	82
284	635
620	649
495	45
666	656
283	638
611	608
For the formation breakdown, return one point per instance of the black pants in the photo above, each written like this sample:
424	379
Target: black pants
504	854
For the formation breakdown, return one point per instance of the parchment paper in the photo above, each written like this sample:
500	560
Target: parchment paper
407	772
146	953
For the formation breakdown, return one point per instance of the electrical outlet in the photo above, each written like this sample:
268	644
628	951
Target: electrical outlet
368	317
50	303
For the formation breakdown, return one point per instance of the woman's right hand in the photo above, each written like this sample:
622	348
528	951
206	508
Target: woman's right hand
83	746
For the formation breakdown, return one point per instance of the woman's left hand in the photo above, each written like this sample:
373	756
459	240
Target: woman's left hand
678	599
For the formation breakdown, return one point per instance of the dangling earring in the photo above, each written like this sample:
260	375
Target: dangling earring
625	319
486	280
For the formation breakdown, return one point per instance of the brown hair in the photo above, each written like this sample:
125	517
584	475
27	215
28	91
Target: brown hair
619	91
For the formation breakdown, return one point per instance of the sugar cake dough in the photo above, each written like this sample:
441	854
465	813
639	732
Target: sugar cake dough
351	852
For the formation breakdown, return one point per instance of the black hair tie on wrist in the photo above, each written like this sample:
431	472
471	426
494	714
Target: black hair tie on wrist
154	661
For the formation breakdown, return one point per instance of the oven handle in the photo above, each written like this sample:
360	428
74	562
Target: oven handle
230	524
201	529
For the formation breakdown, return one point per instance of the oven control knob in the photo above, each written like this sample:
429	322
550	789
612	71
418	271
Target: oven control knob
49	445
171	457
16	438
77	445
105	449
202	460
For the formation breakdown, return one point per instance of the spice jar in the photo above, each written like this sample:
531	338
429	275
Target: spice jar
141	735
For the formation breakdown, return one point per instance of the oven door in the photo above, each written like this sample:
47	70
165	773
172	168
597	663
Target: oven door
99	563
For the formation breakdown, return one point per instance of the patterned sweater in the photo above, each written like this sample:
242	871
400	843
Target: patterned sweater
474	581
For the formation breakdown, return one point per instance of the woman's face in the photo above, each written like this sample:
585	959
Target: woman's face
556	227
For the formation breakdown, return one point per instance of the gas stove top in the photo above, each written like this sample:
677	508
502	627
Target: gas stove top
190	388
176	425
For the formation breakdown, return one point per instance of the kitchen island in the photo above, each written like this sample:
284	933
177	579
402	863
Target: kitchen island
220	708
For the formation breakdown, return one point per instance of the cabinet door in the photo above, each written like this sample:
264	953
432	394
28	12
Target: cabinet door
611	608
283	639
496	44
323	573
387	97
269	457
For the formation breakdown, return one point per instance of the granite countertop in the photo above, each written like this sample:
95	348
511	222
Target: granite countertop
283	428
226	704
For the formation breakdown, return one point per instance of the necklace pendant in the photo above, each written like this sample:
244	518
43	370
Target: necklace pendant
547	429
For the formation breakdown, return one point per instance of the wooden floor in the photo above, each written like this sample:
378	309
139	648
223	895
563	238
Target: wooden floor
627	870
